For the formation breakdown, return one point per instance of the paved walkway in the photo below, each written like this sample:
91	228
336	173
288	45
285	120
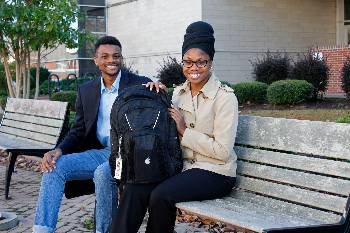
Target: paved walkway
23	196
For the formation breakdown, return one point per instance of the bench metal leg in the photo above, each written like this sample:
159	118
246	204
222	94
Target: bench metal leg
9	170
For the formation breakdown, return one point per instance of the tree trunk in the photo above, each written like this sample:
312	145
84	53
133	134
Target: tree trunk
5	56
37	75
28	74
12	91
18	73
24	76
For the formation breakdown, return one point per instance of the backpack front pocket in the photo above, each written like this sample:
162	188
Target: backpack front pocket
148	158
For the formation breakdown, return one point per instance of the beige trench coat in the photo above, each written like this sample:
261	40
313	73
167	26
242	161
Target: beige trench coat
211	118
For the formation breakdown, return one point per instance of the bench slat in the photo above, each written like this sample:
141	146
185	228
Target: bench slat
242	215
278	206
311	137
30	135
12	142
302	179
31	127
34	119
322	166
50	109
297	195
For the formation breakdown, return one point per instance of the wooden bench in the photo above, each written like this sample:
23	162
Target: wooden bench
292	176
31	127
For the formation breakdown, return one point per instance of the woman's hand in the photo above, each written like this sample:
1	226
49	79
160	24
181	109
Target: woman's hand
179	120
157	85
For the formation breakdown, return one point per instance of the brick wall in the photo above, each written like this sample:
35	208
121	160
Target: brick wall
336	57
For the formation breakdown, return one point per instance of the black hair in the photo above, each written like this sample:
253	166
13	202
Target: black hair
199	35
107	40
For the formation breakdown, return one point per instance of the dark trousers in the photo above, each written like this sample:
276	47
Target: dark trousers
190	185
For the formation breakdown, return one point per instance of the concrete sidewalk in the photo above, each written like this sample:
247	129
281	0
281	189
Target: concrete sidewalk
23	196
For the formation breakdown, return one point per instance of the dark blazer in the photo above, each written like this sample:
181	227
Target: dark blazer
82	136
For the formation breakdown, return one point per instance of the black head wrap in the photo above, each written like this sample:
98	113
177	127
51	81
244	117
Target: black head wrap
199	35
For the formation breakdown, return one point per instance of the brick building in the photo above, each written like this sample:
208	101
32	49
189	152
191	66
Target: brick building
150	30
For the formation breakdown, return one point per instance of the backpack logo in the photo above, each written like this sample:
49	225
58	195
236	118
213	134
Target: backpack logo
148	160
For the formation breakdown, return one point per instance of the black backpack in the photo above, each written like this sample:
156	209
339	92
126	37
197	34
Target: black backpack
145	136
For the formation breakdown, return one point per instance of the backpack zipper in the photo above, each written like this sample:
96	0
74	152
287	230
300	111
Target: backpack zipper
127	120
155	123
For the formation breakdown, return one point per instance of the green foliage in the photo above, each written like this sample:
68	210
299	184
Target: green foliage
3	100
271	67
66	96
3	83
289	91
254	92
346	77
3	92
170	91
89	224
43	90
344	119
33	26
71	119
170	72
44	73
313	70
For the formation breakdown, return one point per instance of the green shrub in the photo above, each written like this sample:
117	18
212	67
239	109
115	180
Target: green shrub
43	89
43	75
66	96
289	91
3	92
170	91
170	73
254	92
344	119
346	77
271	67
313	70
3	100
3	82
71	119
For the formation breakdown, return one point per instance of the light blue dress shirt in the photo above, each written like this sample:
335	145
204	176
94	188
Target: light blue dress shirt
108	97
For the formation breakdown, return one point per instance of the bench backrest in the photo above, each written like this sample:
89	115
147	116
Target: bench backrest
36	121
298	161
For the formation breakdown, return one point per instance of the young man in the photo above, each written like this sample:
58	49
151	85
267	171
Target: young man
85	151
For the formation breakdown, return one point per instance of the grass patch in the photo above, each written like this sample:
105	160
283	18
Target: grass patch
332	115
89	223
344	119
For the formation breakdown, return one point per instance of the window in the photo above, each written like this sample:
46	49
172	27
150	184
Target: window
346	12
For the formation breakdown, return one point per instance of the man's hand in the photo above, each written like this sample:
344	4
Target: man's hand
157	85
49	160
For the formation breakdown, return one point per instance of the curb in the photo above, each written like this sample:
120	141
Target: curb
10	221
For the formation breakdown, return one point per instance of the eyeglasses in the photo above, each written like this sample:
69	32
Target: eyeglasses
199	63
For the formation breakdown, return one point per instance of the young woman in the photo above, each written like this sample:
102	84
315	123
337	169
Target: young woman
206	116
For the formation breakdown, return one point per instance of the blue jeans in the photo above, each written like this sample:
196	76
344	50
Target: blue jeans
78	166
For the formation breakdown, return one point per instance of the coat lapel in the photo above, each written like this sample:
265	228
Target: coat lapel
124	80
94	102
